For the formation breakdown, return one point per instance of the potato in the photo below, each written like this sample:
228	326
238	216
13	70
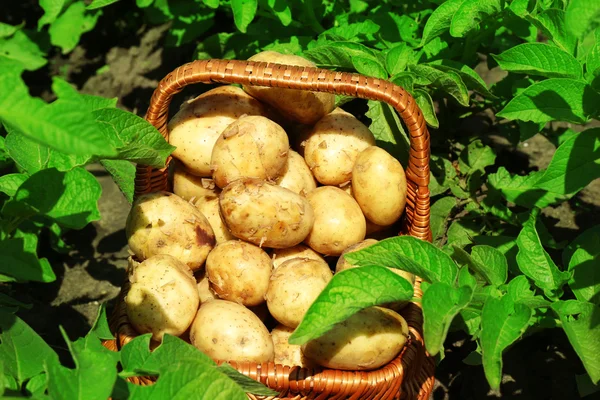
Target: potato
285	353
191	187
333	145
203	285
293	288
252	146
210	209
228	331
367	340
347	189
279	256
265	214
162	297
379	186
239	271
339	222
296	176
164	223
297	105
196	127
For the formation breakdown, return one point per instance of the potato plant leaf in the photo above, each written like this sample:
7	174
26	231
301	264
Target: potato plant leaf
467	74
19	261
67	29
244	12
397	58
589	240
449	82
339	54
502	323
369	67
100	328
388	130
23	51
441	303
347	293
585	282
248	384
581	322
9	183
440	20
440	211
425	103
475	157
52	9
409	254
552	23
123	173
492	264
582	16
99	4
520	291
539	59
471	13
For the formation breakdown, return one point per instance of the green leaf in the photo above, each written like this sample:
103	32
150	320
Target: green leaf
494	266
502	323
67	29
425	103
100	328
52	9
440	212
520	291
440	20
99	4
475	157
559	99
539	59
471	13
535	262
19	261
552	23
441	303
69	198
449	82
467	74
64	90
280	8
123	173
22	351
589	240
409	254
581	322
347	293
582	16
37	386
22	51
573	166
243	13
7	30
462	231
388	130
9	183
353	31
143	3
249	385
585	282
369	67
397	58
211	3
339	54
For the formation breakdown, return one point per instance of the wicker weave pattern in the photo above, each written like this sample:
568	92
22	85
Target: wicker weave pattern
408	376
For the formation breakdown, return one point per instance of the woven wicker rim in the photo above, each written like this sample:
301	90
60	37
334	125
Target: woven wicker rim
410	375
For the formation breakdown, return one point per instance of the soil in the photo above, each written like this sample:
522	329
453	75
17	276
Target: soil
542	366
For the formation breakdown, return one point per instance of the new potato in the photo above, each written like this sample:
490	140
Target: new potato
191	187
297	176
285	353
204	290
210	209
280	256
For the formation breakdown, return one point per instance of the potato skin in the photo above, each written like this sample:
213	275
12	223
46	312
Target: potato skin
191	187
252	146
379	186
367	340
196	127
339	222
285	353
279	256
297	105
297	176
265	214
229	331
239	272
203	285
294	286
164	223
162	297
333	145
210	209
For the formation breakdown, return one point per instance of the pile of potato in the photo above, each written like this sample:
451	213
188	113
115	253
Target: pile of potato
270	187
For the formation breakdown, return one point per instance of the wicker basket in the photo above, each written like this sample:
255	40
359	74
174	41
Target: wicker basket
408	376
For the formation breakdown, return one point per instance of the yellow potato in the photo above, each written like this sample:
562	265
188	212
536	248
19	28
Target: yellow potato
333	145
296	176
162	297
164	223
210	209
191	187
252	146
379	186
280	256
285	353
339	222
297	105
265	214
294	286
203	285
367	340
239	272
228	331
196	127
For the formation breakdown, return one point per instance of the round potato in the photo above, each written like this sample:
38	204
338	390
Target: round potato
210	209
196	127
297	105
293	288
228	331
339	222
252	146
162	297
204	290
379	186
333	145
239	272
265	214
191	187
285	353
296	176
164	223
367	340
279	256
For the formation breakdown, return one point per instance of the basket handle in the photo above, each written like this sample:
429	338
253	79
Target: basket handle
302	78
